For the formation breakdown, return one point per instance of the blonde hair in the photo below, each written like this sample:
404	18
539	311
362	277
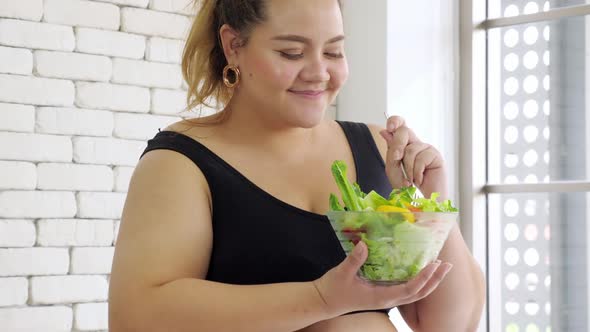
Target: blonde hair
203	58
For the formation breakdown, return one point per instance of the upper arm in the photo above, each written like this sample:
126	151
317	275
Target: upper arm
165	232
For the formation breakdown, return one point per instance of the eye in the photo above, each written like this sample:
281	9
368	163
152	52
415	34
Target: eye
291	56
334	55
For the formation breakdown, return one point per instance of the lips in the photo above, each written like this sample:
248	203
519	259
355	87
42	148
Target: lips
307	93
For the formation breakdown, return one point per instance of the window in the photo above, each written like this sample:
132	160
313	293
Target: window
525	158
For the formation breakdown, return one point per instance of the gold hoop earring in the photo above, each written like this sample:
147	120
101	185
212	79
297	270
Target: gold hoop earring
236	74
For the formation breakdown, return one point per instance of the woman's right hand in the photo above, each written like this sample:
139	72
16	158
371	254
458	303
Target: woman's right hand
342	290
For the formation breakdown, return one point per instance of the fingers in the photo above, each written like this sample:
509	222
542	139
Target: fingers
418	288
426	159
355	259
404	145
412	287
401	138
394	122
434	281
396	146
410	154
398	139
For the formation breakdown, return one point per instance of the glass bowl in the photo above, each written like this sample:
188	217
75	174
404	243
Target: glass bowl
400	244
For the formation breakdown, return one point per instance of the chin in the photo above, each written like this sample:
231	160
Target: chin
309	118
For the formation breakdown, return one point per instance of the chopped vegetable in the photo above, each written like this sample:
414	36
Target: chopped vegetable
406	212
335	204
349	195
355	200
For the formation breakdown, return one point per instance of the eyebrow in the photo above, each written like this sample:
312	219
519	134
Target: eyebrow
304	40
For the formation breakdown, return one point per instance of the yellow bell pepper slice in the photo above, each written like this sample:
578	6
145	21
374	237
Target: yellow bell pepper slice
407	213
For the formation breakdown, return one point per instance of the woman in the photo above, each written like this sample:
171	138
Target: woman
224	229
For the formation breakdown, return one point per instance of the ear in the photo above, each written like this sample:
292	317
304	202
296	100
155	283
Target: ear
230	40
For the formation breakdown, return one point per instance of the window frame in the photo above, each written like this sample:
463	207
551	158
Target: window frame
474	187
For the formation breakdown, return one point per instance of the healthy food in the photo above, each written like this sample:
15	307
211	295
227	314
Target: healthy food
403	232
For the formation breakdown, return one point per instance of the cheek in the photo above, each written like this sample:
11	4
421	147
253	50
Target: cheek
271	73
338	74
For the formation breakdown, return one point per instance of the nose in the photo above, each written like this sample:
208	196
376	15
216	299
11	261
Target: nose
315	70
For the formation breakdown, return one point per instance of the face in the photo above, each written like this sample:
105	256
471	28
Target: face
294	64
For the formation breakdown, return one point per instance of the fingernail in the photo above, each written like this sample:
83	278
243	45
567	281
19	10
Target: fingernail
358	249
448	267
390	126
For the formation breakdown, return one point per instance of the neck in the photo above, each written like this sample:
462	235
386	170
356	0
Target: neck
266	129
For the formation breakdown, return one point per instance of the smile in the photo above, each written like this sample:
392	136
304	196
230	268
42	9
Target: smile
308	93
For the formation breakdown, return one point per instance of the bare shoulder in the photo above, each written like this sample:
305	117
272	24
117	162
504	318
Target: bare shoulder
196	128
161	170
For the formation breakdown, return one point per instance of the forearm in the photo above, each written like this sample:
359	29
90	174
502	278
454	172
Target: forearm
199	305
457	303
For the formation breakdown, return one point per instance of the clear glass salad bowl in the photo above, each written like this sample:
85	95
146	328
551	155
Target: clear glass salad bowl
400	244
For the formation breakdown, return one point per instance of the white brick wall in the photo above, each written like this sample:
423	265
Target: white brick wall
148	74
175	6
118	44
84	84
160	24
18	175
122	178
36	90
140	126
35	147
82	13
74	177
25	9
15	117
72	121
36	35
73	66
92	260
54	318
34	261
18	60
13	291
91	316
68	289
17	233
114	97
74	232
100	205
164	50
37	204
107	151
133	3
168	102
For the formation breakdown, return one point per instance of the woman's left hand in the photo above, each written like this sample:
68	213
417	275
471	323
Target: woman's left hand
423	163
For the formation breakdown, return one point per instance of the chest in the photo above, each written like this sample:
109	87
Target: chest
305	184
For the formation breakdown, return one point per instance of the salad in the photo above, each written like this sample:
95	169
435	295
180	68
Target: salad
403	232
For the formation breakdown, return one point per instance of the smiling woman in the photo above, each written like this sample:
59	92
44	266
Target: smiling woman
224	226
204	58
